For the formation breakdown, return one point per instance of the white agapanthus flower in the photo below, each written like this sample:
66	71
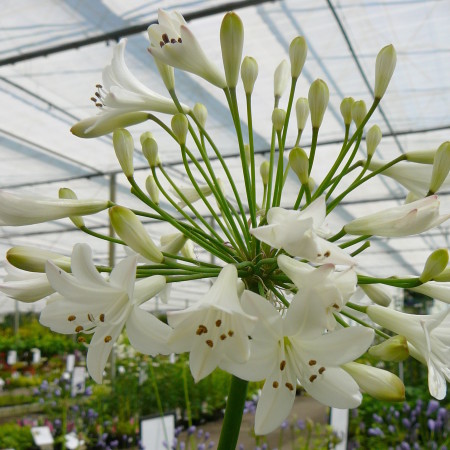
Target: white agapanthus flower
121	99
434	289
25	286
405	220
213	328
301	233
428	338
294	347
329	288
87	303
19	209
173	43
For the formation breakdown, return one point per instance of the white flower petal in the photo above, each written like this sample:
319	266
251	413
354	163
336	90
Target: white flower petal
83	267
29	290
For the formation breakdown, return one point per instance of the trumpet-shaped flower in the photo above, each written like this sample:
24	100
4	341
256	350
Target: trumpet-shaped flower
17	209
213	328
413	176
428	338
173	43
87	303
25	286
121	99
405	220
284	349
300	233
434	289
329	288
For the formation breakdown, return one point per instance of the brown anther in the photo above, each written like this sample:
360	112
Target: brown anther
312	362
223	337
201	329
161	44
321	370
99	105
107	339
335	306
282	365
312	378
165	38
98	86
81	339
97	94
90	317
179	40
319	255
102	317
94	99
275	384
218	323
78	329
173	41
230	333
327	254
71	318
289	386
210	343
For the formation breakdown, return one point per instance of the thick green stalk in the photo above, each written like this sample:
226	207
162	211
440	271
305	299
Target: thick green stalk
233	414
312	151
288	110
397	282
252	148
279	175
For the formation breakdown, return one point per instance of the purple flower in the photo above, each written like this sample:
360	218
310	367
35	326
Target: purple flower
396	414
211	445
264	446
199	433
405	446
406	423
182	445
406	407
191	430
241	447
375	432
201	447
301	424
431	424
433	406
377	418
207	435
284	424
391	429
88	391
442	414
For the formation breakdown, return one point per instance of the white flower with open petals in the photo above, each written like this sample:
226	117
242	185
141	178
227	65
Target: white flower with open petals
122	100
173	43
291	348
301	233
329	288
213	328
87	303
428	339
404	220
19	209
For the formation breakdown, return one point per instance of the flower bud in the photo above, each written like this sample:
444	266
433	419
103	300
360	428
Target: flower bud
231	41
384	68
297	54
167	74
249	73
280	79
376	293
421	156
188	250
33	259
278	117
373	138
78	221
180	126
393	349
441	167
150	151
132	232
264	171
346	109
247	154
299	163
152	189
378	383
436	263
200	113
318	97
124	148
311	184
443	276
359	111
173	243
302	112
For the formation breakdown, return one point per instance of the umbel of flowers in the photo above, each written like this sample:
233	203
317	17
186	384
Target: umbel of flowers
280	305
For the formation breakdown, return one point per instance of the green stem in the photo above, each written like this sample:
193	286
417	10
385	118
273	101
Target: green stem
312	152
361	249
233	414
158	400
397	282
364	324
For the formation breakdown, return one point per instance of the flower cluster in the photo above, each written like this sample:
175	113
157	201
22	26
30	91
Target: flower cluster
279	309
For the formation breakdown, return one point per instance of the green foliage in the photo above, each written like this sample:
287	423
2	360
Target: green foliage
15	436
14	399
